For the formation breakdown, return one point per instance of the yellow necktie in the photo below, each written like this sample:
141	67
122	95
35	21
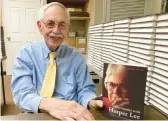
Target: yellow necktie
50	77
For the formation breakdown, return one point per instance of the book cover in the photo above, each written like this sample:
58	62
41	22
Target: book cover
124	90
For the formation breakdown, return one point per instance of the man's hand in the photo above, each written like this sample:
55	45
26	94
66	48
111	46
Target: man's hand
95	103
119	102
65	110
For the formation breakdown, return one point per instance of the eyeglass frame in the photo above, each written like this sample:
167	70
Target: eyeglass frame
56	23
113	86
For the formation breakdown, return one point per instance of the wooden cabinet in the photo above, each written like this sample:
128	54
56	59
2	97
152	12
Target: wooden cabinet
79	26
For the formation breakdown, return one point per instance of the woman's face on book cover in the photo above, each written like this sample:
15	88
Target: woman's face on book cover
116	85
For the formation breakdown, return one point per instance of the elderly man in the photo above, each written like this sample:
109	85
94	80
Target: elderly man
50	76
116	84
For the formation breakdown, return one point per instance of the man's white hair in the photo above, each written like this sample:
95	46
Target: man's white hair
115	70
43	8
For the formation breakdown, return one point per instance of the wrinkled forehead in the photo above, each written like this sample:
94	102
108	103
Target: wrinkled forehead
56	13
116	70
116	74
116	79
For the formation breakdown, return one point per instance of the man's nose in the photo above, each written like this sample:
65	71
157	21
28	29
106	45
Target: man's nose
56	29
116	90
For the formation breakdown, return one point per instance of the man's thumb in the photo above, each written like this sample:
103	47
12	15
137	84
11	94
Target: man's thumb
96	103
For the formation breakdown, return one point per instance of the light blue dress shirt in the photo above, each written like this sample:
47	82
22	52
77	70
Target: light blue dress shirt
73	80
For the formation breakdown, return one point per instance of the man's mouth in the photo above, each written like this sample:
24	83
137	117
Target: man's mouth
55	38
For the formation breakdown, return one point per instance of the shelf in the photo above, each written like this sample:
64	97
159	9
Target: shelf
80	18
68	1
71	3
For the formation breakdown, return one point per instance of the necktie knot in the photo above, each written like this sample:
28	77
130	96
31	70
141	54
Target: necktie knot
52	55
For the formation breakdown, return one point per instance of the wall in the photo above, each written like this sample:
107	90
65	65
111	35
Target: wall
0	12
43	2
152	7
90	10
1	23
99	9
96	11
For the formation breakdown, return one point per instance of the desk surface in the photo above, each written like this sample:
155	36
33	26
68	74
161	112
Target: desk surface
149	114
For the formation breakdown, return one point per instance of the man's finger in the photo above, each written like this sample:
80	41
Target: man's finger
116	101
124	104
120	102
95	103
82	113
69	119
73	115
87	115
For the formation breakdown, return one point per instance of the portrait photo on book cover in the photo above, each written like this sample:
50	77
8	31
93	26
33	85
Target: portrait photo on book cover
124	90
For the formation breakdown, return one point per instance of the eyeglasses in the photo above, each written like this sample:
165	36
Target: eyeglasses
112	86
51	24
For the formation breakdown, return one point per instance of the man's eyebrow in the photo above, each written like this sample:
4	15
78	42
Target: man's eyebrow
62	22
49	20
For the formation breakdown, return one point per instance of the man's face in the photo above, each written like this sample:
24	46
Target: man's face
54	26
117	90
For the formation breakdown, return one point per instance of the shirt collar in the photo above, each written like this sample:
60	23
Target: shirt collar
46	50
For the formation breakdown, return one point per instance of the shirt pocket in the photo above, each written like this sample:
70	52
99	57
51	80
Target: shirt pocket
68	79
68	84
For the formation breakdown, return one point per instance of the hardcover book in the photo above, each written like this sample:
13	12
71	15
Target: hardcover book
124	90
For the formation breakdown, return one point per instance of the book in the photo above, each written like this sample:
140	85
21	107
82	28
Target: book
124	90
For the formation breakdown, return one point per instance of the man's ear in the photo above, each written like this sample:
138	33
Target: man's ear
39	27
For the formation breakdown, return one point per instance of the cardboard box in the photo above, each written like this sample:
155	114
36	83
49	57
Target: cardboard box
72	41
81	44
72	34
82	50
81	41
